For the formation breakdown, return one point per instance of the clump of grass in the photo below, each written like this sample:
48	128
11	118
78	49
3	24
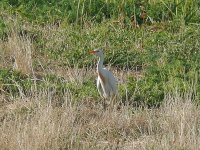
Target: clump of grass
19	47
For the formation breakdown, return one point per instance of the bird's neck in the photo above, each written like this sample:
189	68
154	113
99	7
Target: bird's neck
100	63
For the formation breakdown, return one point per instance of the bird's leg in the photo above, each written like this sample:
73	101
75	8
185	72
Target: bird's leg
113	101
104	103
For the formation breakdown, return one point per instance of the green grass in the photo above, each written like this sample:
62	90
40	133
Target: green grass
165	57
79	11
162	51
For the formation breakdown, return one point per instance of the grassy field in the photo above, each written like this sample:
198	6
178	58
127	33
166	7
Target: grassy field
48	95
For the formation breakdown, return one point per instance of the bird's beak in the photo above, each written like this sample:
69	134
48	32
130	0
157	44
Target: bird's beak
92	52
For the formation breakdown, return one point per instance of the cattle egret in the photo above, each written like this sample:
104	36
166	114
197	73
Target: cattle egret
106	83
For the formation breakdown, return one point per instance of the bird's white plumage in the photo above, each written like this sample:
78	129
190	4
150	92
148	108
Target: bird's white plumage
106	83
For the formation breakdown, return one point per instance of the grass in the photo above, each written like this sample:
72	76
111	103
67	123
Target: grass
34	123
48	96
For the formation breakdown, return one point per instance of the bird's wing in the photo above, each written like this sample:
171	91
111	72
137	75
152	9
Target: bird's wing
100	90
111	81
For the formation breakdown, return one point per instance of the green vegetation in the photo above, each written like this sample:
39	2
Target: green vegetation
157	39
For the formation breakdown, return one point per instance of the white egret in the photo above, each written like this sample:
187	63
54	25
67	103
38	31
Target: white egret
106	83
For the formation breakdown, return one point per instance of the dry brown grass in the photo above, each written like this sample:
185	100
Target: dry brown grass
16	52
33	123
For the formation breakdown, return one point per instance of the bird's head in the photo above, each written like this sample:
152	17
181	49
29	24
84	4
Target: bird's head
97	52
